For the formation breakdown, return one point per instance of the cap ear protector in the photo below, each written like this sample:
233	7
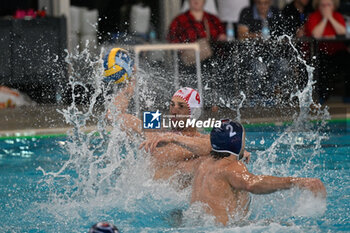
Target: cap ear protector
193	100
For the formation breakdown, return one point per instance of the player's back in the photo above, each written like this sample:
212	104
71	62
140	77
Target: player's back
212	188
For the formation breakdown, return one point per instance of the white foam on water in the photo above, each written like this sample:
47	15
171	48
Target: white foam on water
240	105
307	205
195	215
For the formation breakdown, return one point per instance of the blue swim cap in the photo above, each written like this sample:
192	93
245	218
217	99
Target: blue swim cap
103	227
228	138
118	65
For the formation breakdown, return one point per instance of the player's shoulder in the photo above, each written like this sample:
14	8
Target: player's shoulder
234	166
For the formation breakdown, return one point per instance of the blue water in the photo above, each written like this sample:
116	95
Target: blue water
135	203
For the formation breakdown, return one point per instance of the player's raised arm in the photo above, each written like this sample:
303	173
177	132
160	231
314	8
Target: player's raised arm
240	178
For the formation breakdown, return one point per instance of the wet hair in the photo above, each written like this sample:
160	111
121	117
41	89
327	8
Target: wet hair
219	155
316	3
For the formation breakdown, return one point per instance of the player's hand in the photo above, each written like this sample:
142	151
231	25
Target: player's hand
129	89
222	37
314	185
108	115
246	157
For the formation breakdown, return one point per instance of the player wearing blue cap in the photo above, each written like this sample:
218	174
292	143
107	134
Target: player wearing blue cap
103	227
222	183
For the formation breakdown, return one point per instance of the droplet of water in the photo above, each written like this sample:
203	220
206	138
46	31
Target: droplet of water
262	141
299	141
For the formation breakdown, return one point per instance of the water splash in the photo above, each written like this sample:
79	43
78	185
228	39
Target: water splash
105	173
301	133
89	169
240	105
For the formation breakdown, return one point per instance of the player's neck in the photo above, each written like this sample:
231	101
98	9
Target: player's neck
231	158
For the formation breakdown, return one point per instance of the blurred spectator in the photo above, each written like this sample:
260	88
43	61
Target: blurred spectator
327	23
229	13
190	26
295	15
267	72
260	20
210	6
9	7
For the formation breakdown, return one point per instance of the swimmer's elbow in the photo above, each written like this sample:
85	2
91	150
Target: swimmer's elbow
247	185
255	189
251	187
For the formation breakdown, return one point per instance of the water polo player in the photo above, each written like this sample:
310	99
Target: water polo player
222	183
103	227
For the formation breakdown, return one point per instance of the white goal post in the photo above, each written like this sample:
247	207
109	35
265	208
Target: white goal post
175	47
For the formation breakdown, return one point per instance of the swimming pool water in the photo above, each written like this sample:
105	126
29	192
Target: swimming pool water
137	204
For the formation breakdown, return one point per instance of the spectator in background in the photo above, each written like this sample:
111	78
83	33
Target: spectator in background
258	20
295	15
9	7
266	71
229	11
326	22
190	26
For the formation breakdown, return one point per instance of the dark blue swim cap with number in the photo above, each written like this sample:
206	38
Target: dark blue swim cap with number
103	227
228	138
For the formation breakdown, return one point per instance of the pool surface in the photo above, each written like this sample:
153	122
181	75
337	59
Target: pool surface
120	189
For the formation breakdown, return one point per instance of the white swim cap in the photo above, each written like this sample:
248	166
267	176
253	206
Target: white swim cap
193	100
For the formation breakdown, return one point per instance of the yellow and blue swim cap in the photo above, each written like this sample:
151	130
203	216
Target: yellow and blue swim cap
118	65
